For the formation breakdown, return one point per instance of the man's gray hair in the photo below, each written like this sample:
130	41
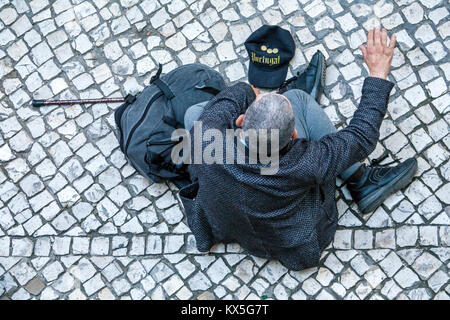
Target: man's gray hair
271	111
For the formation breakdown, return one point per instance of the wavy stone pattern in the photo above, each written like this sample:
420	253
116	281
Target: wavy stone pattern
78	222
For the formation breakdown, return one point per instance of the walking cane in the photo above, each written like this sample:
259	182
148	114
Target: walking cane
40	103
129	98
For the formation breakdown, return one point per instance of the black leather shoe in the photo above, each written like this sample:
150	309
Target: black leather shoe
311	80
378	182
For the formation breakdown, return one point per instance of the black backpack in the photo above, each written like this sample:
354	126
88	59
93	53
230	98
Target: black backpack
146	122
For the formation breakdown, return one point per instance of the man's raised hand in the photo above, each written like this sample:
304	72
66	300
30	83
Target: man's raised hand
377	54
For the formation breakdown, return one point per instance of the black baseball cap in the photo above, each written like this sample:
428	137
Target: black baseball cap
270	48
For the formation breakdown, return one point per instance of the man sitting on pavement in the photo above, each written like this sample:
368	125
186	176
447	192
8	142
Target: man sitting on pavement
291	215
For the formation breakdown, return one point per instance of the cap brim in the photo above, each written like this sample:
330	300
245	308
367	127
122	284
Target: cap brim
267	79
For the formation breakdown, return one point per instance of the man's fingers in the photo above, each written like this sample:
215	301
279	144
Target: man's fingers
377	37
384	38
370	38
363	50
392	41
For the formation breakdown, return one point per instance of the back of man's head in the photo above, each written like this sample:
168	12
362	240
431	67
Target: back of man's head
268	112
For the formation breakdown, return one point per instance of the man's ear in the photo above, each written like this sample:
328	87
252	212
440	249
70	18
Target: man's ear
294	134
240	120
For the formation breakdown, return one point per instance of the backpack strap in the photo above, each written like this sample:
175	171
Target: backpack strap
161	84
167	93
158	73
164	88
130	98
170	121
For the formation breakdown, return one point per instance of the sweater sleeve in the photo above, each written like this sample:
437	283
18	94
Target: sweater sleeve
335	152
221	112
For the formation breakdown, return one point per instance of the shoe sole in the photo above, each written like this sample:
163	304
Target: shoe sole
322	66
374	200
322	78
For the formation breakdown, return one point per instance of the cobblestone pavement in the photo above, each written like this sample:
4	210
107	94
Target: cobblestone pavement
77	221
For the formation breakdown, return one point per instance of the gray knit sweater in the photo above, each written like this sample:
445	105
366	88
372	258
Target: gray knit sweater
290	216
